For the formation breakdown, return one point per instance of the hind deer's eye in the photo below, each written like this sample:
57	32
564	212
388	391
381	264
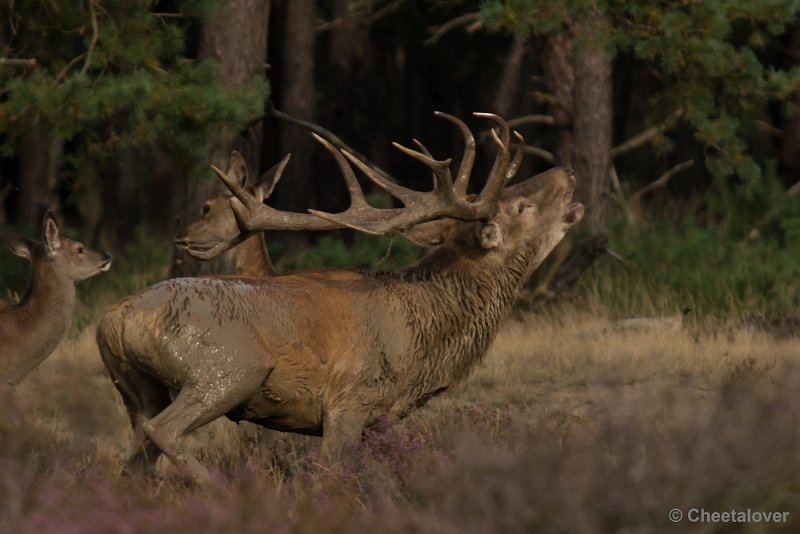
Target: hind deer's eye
80	250
206	209
521	207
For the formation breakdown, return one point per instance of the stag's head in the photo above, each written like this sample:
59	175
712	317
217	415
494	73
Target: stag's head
530	217
216	230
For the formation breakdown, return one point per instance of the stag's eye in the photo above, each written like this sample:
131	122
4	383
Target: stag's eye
521	207
80	250
206	209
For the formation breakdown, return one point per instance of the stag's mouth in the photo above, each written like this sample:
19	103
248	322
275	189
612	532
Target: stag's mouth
573	213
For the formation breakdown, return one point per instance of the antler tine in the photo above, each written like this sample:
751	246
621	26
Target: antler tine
424	150
505	130
518	154
396	190
497	176
465	169
356	193
236	190
443	180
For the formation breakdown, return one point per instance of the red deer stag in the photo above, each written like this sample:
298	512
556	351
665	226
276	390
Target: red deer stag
31	330
331	352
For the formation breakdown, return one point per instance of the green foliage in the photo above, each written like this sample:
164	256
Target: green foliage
113	74
717	270
365	252
709	58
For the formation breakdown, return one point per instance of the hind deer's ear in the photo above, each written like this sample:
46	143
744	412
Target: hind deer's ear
18	245
490	235
52	236
237	168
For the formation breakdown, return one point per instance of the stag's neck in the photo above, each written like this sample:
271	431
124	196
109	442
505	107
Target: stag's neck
40	321
252	258
454	305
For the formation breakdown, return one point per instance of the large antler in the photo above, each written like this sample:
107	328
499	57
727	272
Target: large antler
448	198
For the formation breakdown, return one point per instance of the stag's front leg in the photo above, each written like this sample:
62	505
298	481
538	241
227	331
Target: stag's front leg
340	426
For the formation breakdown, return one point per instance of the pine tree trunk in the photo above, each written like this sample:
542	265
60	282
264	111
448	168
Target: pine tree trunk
40	161
297	99
508	85
348	61
559	76
790	141
592	123
236	38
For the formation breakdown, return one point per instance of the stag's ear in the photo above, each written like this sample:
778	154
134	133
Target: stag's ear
237	168
490	235
52	236
18	245
266	184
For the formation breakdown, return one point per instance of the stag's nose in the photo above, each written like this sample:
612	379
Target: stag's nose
571	176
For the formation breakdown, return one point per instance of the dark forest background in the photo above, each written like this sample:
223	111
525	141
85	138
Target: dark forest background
679	117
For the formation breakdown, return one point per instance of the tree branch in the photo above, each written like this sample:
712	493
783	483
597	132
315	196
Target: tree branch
521	121
437	32
392	5
660	182
323	132
644	136
551	99
18	62
93	41
531	119
540	153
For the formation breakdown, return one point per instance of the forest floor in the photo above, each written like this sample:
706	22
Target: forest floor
572	424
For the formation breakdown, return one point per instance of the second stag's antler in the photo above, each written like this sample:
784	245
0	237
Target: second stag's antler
448	199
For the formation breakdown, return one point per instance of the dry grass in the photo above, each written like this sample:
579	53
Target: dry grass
571	425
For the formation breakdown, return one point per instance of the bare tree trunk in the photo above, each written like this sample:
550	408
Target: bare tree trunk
508	87
236	38
790	155
592	126
297	99
348	61
40	161
559	77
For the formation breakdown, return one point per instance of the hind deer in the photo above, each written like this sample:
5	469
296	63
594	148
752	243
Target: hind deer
31	330
216	231
331	352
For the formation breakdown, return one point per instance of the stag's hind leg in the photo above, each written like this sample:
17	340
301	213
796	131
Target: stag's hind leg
144	397
195	406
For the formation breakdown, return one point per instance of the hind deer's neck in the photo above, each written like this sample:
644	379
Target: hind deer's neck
39	321
49	294
252	258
